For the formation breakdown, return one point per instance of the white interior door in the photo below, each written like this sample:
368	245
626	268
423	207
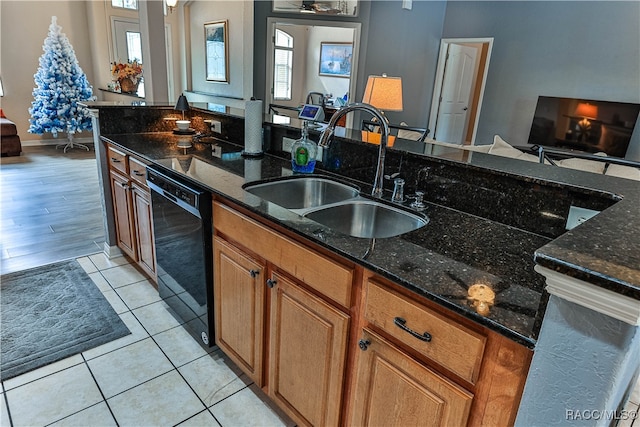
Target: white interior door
453	112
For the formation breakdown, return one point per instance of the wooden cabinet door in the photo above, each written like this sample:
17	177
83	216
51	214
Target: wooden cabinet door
123	214
144	229
307	349
239	306
392	389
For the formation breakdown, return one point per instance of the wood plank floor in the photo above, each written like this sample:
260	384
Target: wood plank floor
50	207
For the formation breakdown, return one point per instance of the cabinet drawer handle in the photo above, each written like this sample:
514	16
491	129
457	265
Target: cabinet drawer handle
254	273
364	344
137	173
114	160
401	323
271	282
123	185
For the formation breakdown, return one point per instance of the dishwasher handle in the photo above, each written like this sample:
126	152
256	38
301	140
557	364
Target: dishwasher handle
169	196
178	193
173	199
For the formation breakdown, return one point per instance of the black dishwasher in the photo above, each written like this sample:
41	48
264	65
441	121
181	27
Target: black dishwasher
183	239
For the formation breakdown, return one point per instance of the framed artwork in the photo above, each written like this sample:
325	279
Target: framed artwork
216	51
335	59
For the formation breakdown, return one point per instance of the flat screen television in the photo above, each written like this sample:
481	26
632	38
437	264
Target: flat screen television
584	124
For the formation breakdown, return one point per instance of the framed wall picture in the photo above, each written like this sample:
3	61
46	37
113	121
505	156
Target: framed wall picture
335	59
216	51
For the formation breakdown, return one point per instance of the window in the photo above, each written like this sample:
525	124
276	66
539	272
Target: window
125	4
134	46
134	53
283	66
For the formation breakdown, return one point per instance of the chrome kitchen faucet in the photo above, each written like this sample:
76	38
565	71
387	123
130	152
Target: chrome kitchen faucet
327	134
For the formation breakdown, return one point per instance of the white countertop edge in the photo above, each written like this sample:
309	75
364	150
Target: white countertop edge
592	297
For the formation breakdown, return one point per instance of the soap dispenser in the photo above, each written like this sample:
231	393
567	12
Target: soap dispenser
303	152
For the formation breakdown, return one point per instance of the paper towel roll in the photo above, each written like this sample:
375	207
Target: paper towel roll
252	170
253	128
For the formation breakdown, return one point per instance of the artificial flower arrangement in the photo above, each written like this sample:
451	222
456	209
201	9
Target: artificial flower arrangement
131	70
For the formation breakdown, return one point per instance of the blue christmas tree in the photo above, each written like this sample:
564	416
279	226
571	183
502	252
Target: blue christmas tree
61	84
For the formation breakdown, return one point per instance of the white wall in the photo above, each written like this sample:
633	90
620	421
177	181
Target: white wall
25	25
87	25
585	49
239	15
337	86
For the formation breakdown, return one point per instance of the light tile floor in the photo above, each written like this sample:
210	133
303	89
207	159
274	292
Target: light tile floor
157	376
631	412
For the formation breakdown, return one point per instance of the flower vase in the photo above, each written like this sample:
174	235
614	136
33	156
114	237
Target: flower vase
128	86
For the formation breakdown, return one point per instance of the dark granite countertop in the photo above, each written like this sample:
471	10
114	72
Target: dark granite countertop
440	261
605	250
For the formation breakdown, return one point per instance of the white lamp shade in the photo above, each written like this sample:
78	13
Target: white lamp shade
172	3
384	93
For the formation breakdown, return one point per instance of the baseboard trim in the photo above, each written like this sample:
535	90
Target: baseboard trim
111	251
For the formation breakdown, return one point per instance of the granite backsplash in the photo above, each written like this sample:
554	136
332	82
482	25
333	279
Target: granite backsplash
141	119
512	200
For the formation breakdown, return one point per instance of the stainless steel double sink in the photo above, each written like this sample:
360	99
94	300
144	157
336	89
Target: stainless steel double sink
338	206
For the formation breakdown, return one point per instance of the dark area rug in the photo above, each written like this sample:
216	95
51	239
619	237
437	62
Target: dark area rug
51	312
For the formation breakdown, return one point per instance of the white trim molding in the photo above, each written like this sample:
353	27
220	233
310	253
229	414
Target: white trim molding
111	251
592	297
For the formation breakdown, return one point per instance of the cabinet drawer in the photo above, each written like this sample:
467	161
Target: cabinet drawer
138	171
325	275
451	345
117	160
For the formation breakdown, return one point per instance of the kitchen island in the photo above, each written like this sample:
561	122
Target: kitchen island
456	250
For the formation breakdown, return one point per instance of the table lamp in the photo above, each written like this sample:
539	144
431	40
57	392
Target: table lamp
384	93
587	112
183	125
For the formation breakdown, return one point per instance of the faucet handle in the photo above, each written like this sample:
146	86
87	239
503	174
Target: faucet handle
418	204
392	176
398	190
